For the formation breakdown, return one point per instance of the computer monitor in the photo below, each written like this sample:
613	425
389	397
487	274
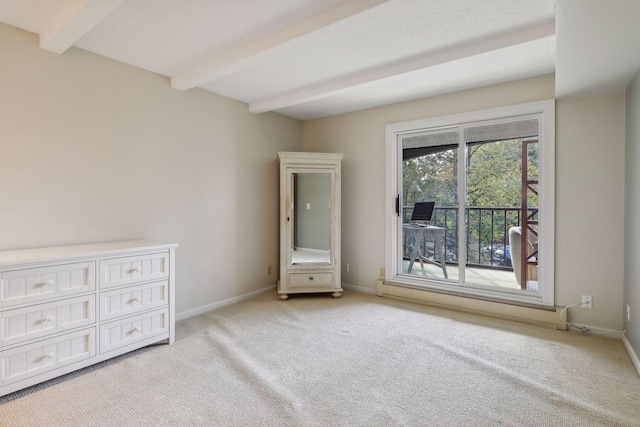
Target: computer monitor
422	211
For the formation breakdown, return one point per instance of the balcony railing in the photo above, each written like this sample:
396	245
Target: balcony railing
487	235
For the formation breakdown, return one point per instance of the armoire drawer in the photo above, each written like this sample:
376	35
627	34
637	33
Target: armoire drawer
310	280
35	321
130	330
43	356
133	269
41	283
133	299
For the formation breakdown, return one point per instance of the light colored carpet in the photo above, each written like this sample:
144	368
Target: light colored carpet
356	361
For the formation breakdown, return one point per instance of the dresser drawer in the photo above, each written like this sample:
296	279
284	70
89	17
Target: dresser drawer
124	271
130	330
38	284
35	321
44	356
310	280
126	301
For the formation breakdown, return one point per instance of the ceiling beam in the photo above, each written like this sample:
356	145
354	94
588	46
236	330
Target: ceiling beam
337	86
71	24
254	52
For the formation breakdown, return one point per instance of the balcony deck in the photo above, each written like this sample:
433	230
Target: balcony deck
485	276
487	244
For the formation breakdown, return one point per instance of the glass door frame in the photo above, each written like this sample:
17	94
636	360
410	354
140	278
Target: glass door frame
544	111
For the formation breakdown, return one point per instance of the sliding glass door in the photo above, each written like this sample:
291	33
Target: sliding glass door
473	207
429	175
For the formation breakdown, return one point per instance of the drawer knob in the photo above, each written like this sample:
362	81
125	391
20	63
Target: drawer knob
134	270
49	356
48	283
47	319
310	277
134	299
134	330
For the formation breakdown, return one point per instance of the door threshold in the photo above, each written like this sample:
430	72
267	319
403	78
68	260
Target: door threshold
548	317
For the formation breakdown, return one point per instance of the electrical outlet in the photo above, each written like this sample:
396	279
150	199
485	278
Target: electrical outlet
268	270
586	301
345	267
382	273
628	313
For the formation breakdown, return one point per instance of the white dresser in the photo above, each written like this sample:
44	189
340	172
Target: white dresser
68	307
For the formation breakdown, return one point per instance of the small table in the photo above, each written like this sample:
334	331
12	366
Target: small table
418	232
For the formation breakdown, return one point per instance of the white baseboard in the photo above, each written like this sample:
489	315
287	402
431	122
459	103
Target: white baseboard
209	307
632	353
552	318
596	330
362	289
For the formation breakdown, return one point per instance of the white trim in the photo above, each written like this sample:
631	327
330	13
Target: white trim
632	353
545	111
552	317
546	201
213	306
470	117
504	295
595	330
462	203
363	289
390	194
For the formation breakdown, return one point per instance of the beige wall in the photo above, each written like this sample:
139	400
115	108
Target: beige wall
632	215
590	206
361	137
95	150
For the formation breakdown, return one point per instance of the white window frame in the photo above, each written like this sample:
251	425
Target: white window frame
545	111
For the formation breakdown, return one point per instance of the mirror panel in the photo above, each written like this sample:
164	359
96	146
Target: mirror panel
311	218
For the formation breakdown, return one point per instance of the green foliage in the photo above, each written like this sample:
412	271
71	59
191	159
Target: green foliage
436	175
494	174
494	180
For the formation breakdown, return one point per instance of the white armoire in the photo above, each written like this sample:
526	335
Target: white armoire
309	223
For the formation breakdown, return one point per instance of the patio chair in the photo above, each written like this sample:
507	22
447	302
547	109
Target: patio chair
515	242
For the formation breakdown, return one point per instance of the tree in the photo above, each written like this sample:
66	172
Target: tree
494	180
435	174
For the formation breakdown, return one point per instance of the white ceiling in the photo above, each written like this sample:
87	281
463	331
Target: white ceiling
314	58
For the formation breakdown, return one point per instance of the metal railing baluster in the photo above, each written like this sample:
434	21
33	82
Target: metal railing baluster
498	233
